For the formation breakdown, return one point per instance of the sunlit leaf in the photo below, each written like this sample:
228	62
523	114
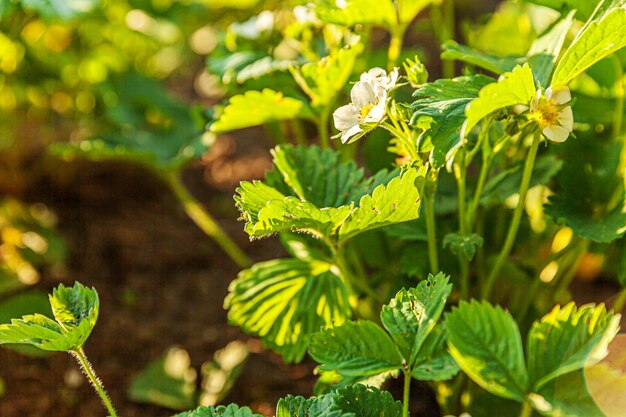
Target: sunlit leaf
407	10
353	12
486	343
441	106
355	349
567	339
283	301
20	305
602	35
413	313
515	87
255	108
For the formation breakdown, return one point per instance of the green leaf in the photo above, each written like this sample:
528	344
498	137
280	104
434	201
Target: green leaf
354	12
583	8
515	87
408	10
396	202
36	330
441	107
322	81
21	305
503	185
255	108
283	301
354	401
229	411
73	306
567	339
413	313
490	62
464	245
355	349
567	396
602	35
170	382
486	343
434	362
544	52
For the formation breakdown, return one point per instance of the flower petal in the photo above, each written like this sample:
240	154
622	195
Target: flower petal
362	94
346	117
556	133
393	78
346	135
566	118
377	112
520	108
534	103
560	95
372	75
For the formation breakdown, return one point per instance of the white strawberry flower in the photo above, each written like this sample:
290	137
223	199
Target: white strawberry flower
552	114
368	102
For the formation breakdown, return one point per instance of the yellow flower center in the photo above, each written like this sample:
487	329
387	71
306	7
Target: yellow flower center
365	110
547	113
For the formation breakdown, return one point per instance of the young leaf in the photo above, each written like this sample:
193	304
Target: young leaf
441	106
355	349
545	50
515	87
490	62
255	108
413	313
75	305
229	411
464	245
36	330
396	202
602	35
567	339
354	12
283	301
486	343
434	362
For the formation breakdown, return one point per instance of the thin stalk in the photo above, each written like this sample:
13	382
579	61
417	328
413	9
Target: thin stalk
322	128
406	394
460	171
395	45
298	131
517	217
618	119
431	232
276	132
618	306
84	363
527	410
449	23
205	221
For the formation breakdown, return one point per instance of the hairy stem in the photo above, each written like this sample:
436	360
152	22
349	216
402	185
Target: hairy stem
517	216
406	394
205	221
433	257
84	363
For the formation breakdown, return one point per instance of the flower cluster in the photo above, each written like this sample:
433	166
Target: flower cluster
552	112
368	102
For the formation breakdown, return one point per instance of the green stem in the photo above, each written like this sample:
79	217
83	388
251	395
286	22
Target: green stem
406	394
395	45
618	306
299	132
84	363
482	179
449	23
527	409
322	128
460	171
205	221
431	232
619	97
517	216
276	132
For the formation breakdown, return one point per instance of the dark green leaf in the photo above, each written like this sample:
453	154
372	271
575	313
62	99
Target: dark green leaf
567	396
434	362
285	300
221	411
486	343
464	245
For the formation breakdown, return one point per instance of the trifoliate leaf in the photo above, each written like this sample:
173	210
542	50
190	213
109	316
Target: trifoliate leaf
434	362
413	313
602	35
221	411
567	339
396	202
283	301
355	349
353	12
322	81
441	106
490	62
255	108
464	245
353	401
544	52
515	87
170	382
486	343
